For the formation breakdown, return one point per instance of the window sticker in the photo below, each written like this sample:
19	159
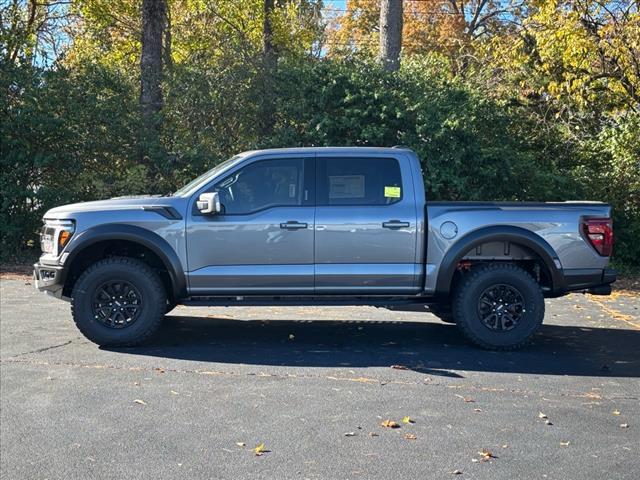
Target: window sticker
392	192
346	186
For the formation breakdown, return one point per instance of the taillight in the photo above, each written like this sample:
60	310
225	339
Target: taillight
599	232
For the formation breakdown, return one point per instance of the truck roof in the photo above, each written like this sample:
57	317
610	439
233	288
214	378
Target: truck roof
328	150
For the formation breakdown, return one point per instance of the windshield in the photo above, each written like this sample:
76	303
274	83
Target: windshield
194	184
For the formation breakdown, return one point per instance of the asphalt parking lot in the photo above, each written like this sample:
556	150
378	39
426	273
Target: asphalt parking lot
314	385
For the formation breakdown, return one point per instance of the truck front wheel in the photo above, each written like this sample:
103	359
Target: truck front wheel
498	306
118	301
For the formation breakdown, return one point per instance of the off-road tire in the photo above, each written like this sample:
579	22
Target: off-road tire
135	272
468	317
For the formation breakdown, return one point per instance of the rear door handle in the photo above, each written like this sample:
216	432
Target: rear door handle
293	225
395	224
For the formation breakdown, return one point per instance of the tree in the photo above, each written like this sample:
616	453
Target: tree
391	20
154	20
31	31
451	28
269	64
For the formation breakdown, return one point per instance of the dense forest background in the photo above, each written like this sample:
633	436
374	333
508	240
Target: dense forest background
502	100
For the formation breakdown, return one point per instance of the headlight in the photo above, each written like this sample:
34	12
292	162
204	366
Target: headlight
55	235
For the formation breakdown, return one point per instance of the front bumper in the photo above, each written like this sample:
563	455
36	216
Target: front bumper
49	278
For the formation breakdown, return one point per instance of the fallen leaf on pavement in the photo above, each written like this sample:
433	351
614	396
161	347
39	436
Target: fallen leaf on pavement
457	472
486	455
548	422
407	419
410	436
565	444
505	446
141	402
542	415
466	399
390	424
616	412
624	425
477	409
399	367
260	449
350	434
174	392
240	444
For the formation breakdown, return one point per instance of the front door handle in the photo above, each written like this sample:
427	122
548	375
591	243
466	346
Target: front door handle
292	225
395	224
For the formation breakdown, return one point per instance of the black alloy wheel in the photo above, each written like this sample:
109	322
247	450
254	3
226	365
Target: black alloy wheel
117	304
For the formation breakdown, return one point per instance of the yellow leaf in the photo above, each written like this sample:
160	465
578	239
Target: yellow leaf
260	449
485	455
407	419
390	424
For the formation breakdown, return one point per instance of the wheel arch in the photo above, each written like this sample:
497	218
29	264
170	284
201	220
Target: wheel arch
94	242
509	235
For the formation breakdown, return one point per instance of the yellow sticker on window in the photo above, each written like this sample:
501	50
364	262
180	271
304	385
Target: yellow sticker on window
392	192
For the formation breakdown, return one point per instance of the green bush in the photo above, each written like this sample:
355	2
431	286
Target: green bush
472	147
65	136
72	135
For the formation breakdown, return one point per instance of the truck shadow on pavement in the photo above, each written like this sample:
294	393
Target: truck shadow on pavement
427	347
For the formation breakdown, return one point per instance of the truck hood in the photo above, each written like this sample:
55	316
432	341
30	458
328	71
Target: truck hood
118	203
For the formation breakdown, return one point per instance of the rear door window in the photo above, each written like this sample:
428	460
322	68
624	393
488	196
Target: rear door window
358	181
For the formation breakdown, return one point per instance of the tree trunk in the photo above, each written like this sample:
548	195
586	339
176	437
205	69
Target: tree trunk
269	62
167	50
390	34
154	18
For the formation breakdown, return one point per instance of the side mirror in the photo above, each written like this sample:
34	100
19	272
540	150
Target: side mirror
209	203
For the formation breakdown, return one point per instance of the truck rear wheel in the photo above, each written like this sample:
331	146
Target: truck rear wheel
118	301
498	306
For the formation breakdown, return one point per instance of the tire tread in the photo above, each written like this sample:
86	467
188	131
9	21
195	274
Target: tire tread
154	282
458	302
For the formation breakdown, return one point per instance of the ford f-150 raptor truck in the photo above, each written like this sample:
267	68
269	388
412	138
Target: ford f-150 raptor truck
321	226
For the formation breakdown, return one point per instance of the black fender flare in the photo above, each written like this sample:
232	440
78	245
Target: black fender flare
132	233
499	233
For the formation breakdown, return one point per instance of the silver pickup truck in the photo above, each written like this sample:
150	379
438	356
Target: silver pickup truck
321	226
